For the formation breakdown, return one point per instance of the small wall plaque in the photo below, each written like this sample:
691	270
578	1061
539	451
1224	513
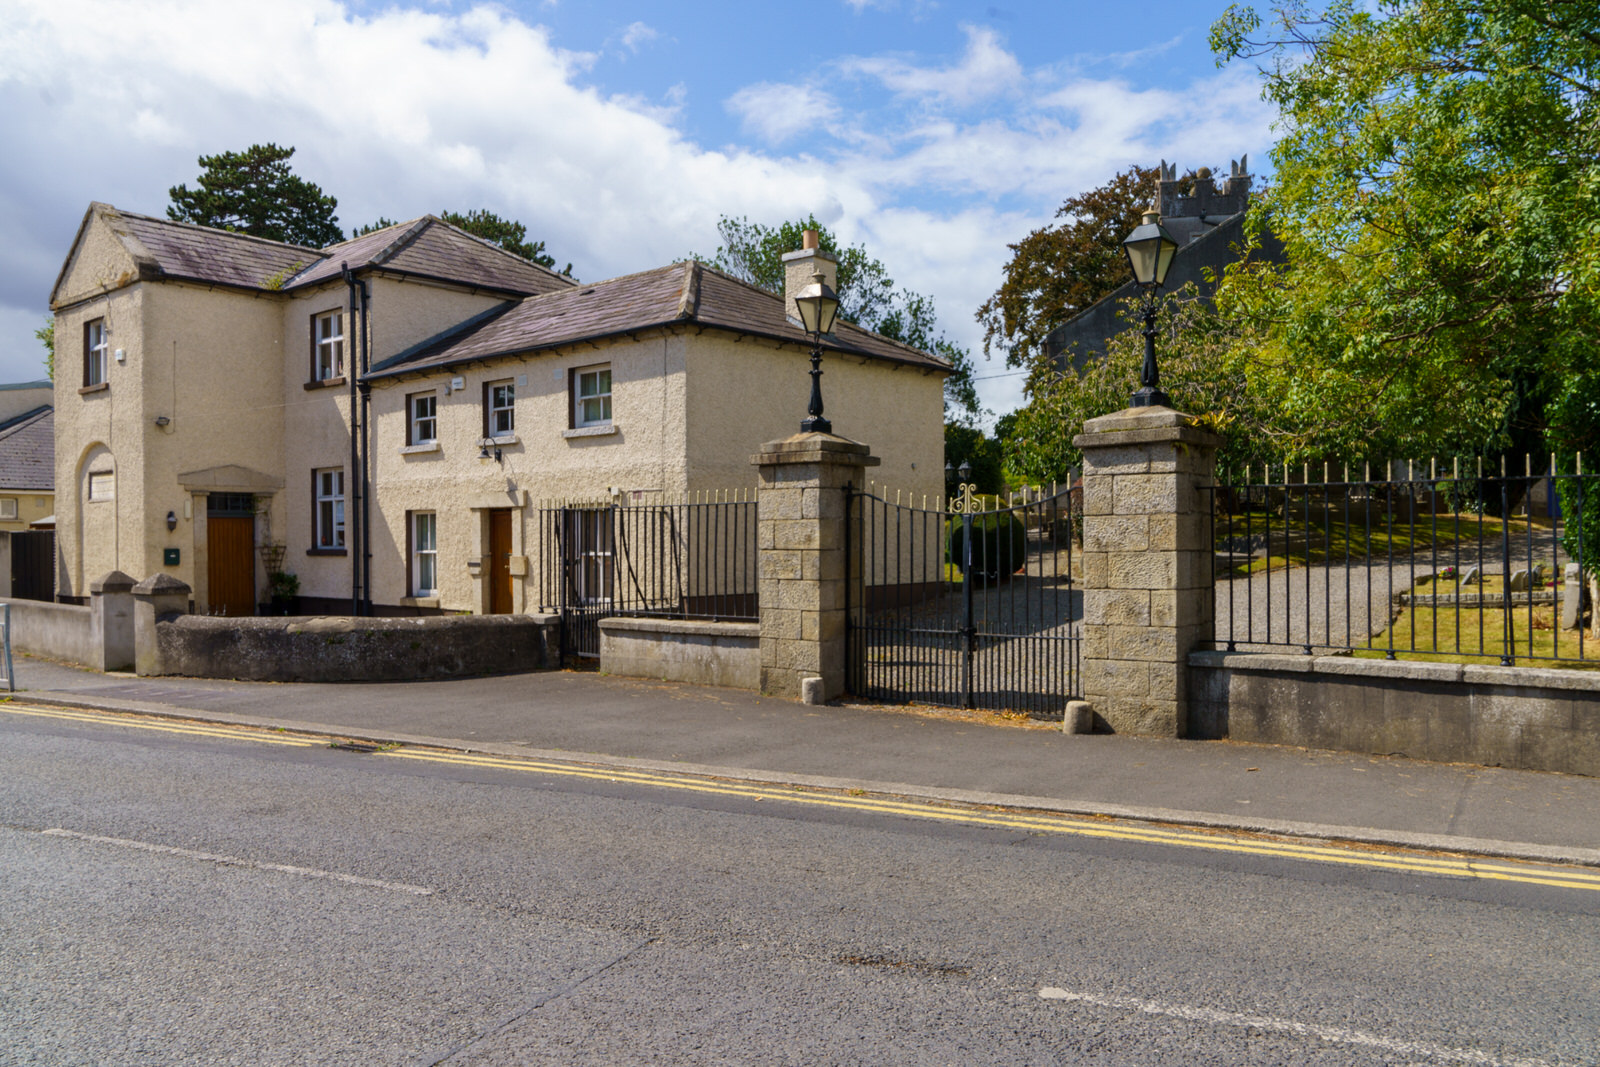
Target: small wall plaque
169	557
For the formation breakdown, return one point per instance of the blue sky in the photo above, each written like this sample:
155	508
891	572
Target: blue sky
932	133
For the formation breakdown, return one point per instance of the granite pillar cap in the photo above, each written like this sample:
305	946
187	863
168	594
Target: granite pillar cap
112	582
816	448
161	584
1143	426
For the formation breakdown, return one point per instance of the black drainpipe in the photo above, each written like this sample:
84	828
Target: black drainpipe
366	464
351	525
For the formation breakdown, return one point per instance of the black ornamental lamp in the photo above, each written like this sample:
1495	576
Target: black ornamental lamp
1150	249
818	305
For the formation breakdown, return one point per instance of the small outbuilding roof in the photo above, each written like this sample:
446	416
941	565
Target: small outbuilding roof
28	451
680	294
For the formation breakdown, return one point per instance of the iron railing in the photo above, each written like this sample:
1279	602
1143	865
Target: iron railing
692	558
1457	561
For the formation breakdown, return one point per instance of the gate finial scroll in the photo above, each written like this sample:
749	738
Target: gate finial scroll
965	504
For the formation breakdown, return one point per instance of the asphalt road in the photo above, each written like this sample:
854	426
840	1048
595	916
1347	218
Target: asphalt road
227	897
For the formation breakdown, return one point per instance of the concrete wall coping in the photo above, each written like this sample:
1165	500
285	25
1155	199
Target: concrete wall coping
346	624
47	606
686	627
1349	666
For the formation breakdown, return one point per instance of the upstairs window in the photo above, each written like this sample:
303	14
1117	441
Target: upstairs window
94	352
591	400
422	418
327	346
500	409
328	508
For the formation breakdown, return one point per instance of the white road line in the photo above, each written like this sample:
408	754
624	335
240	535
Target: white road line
1336	1034
233	861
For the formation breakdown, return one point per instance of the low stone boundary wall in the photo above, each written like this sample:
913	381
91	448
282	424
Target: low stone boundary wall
683	650
341	649
1523	717
55	631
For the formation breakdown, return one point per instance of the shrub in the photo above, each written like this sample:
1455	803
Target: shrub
999	547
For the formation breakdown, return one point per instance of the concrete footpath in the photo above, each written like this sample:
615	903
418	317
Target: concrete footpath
1384	799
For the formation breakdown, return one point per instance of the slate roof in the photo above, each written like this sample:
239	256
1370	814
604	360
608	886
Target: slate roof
28	451
683	293
427	247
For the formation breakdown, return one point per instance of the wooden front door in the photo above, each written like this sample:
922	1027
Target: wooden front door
231	564
500	561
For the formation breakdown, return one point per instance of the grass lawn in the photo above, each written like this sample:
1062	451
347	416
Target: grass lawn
1446	634
1329	538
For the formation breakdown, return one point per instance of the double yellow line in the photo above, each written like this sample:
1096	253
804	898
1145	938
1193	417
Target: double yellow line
1445	864
132	722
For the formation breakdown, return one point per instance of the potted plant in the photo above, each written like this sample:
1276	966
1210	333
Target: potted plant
285	589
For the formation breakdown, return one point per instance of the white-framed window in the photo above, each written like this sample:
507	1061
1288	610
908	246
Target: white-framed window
422	415
500	409
102	485
591	396
590	548
327	345
8	507
424	553
327	508
95	347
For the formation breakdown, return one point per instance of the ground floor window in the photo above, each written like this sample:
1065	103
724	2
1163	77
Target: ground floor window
589	548
328	508
424	553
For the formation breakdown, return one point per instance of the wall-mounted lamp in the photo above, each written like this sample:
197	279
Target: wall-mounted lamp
163	422
483	453
172	520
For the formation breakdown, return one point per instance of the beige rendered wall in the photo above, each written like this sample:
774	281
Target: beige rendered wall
545	461
14	401
31	506
317	425
212	365
746	393
406	311
98	264
99	430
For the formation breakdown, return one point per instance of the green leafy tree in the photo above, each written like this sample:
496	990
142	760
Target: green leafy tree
255	192
1057	271
1438	194
47	337
982	453
753	252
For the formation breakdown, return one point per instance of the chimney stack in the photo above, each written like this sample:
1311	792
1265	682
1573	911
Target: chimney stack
799	266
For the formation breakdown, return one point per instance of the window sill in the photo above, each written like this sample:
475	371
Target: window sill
502	440
591	431
98	387
415	450
326	383
419	601
327	552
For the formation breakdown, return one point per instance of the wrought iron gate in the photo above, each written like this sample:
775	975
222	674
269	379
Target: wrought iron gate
966	606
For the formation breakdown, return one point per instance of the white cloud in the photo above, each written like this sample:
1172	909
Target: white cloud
402	112
777	112
637	34
986	69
